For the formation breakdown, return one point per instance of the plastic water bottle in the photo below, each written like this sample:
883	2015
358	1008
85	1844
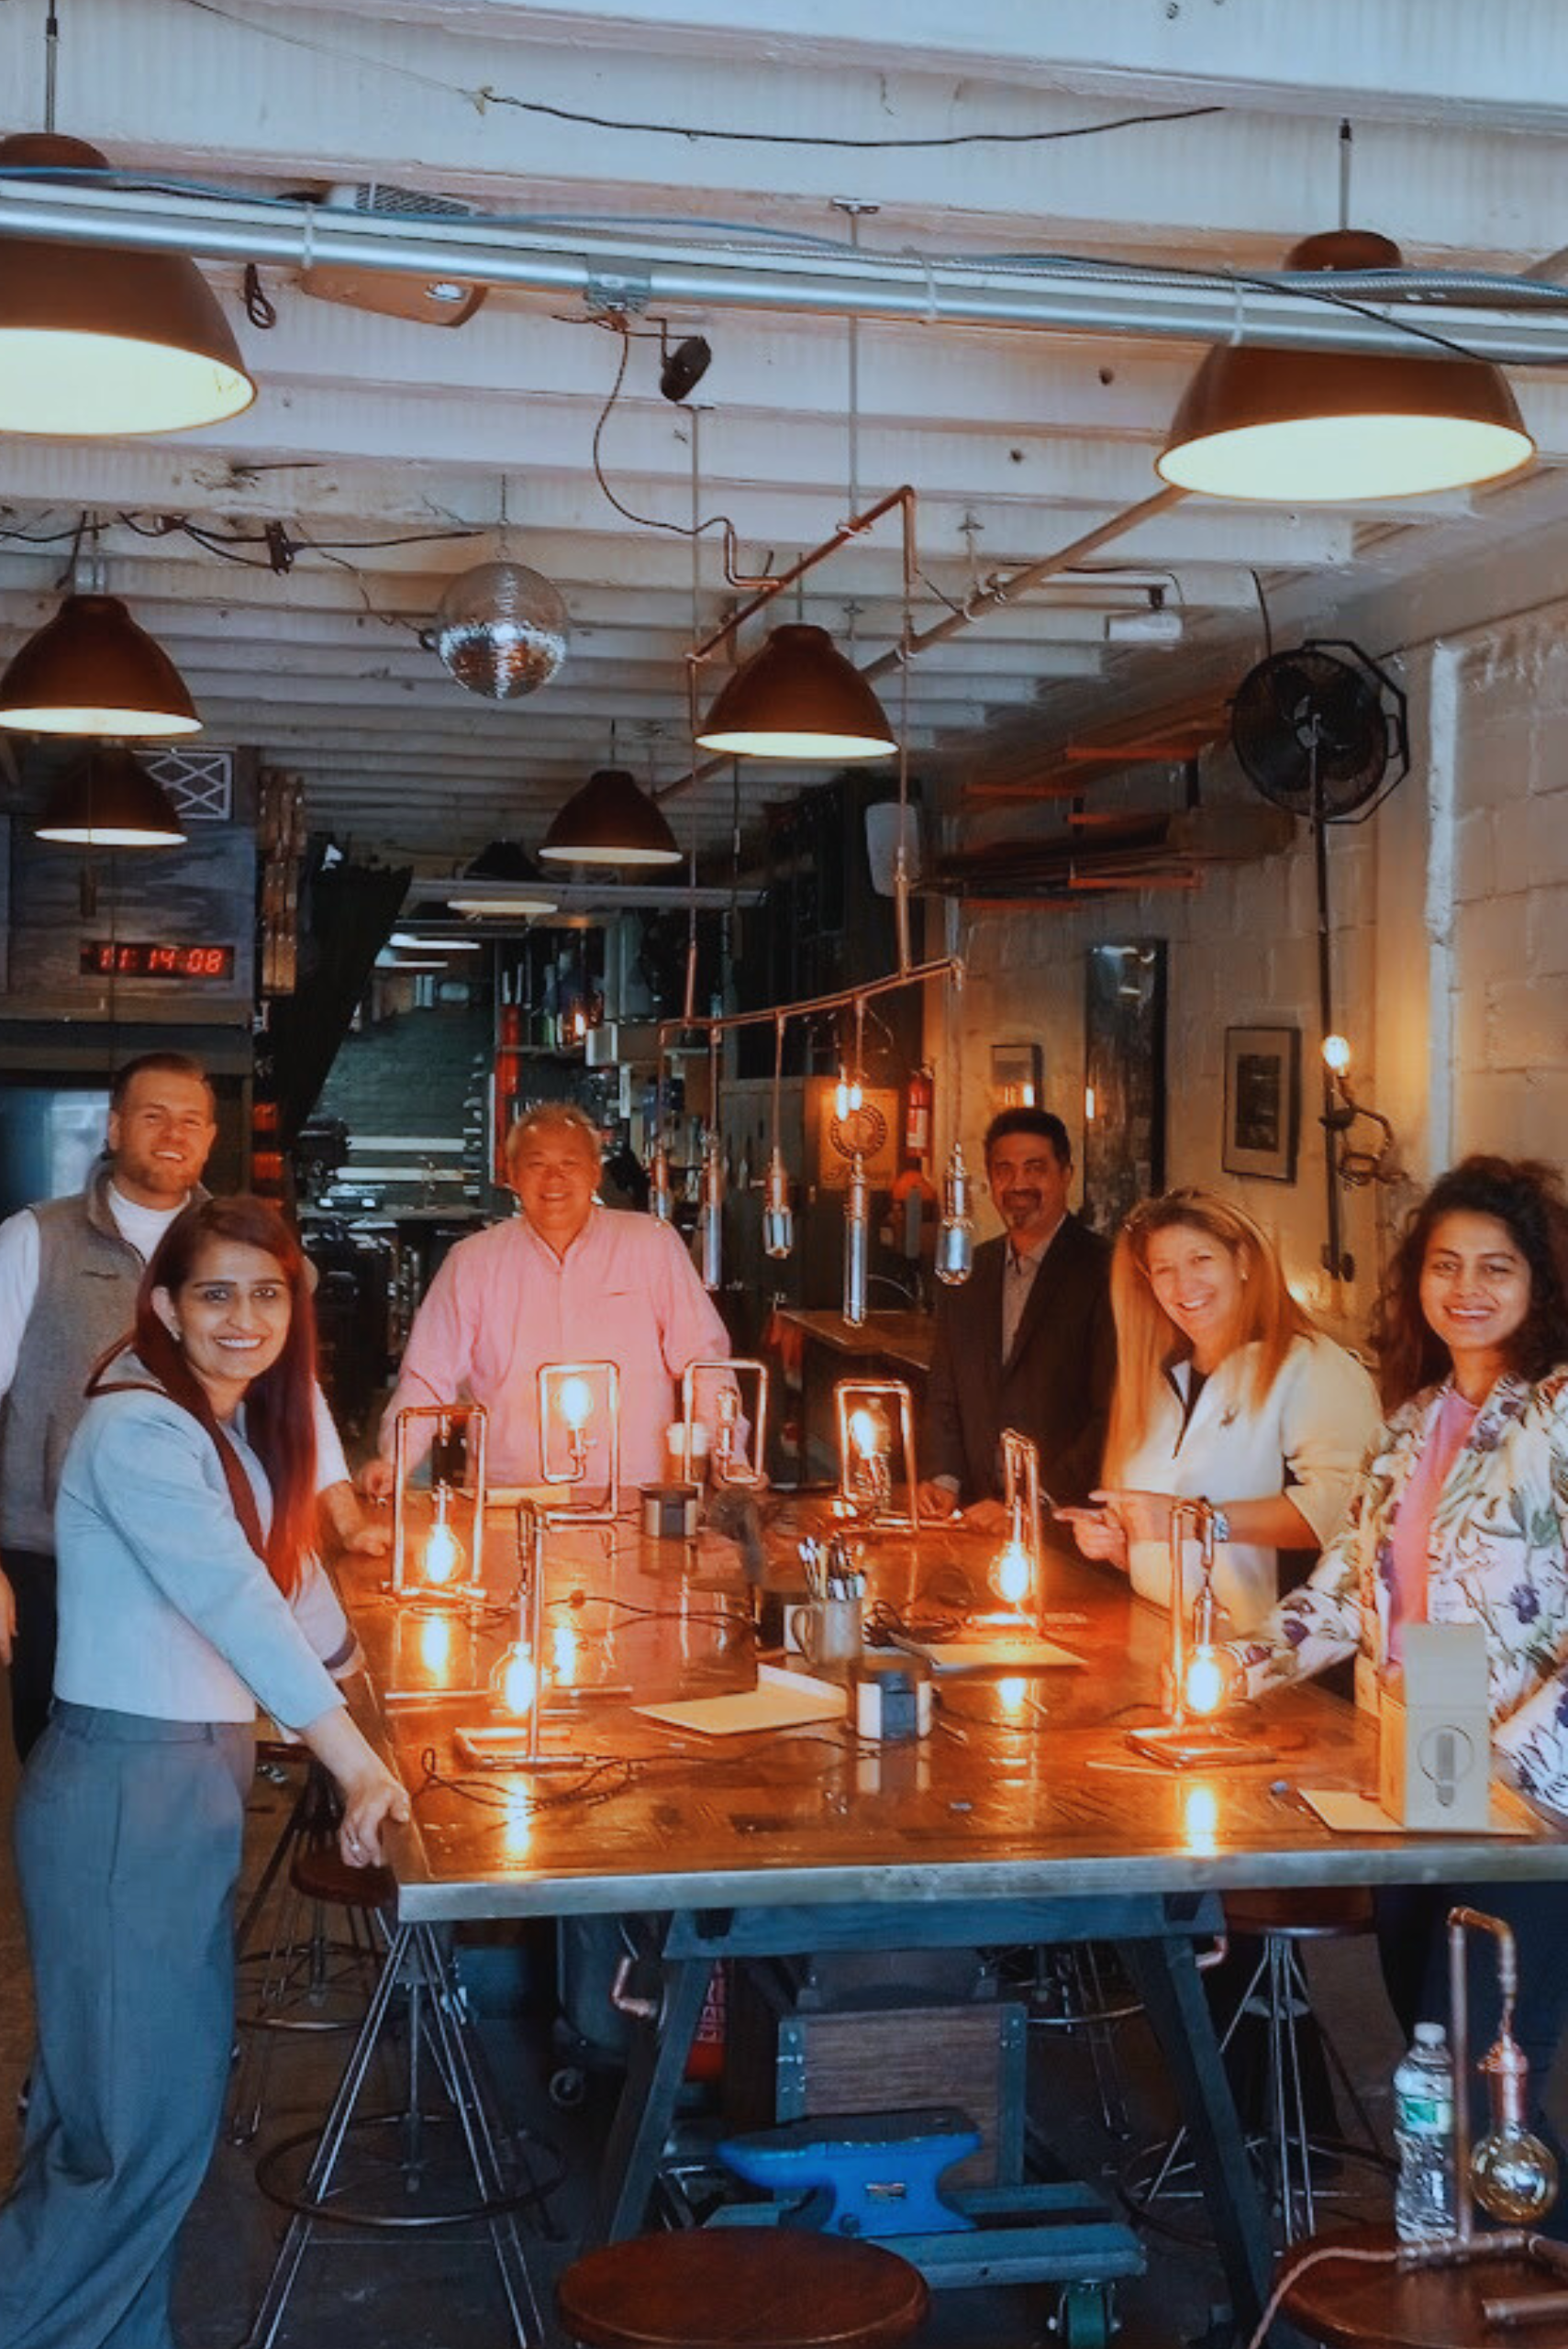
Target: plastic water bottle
1423	2133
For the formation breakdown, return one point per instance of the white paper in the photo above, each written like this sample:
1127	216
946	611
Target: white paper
780	1700
1347	1814
1023	1653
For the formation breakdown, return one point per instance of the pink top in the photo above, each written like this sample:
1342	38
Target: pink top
1446	1439
503	1303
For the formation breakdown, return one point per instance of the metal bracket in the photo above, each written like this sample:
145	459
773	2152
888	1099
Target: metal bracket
617	297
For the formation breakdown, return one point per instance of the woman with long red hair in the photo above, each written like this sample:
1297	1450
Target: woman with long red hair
188	1592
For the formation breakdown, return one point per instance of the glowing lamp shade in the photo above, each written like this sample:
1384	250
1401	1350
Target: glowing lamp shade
109	801
91	670
797	697
100	340
610	821
1332	427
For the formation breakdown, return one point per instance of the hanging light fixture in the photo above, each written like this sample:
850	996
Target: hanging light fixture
797	697
91	670
1332	427
98	339
109	801
610	821
527	891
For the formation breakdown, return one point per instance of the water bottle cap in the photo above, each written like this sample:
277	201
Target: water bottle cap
1430	2034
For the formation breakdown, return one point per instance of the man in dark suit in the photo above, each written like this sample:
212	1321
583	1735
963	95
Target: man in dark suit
1028	1341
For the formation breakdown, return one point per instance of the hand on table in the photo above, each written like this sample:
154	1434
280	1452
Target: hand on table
936	1502
986	1517
377	1480
369	1540
1142	1517
368	1802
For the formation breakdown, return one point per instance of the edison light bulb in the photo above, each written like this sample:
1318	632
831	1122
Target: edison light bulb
576	1403
1514	2175
778	1216
443	1559
514	1683
842	1097
955	1235
1012	1574
1204	1690
863	1432
1336	1055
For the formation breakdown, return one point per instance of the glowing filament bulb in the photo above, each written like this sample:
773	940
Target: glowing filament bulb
443	1559
579	1023
1336	1055
864	1433
514	1683
1013	1575
1204	1689
576	1403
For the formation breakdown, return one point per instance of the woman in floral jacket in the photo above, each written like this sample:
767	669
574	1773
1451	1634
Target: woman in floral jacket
1459	1515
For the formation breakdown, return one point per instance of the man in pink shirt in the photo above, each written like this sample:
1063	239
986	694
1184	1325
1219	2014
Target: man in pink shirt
566	1280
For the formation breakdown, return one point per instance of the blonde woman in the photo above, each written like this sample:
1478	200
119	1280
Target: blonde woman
1225	1391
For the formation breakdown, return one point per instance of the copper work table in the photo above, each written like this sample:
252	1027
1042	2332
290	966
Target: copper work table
1023	1818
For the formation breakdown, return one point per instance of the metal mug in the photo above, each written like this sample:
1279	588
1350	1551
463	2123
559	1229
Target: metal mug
825	1630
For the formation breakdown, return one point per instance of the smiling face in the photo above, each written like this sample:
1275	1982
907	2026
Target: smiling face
1475	1296
160	1137
555	1173
230	1319
1198	1280
1029	1185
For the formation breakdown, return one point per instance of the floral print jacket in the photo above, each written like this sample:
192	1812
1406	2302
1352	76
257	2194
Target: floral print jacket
1497	1557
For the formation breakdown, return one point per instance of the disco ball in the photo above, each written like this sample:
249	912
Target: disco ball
500	630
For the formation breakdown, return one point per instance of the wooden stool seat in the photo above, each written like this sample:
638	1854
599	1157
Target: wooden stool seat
321	1871
741	2288
1355	2305
1318	1912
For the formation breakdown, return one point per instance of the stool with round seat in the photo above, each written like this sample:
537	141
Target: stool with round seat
1345	2289
741	2288
1295	2162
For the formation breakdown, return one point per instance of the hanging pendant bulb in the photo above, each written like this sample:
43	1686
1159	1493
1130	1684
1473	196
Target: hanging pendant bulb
710	1215
857	1240
91	670
955	1237
778	1216
661	1198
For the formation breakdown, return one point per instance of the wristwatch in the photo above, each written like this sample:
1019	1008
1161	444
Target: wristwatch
1218	1523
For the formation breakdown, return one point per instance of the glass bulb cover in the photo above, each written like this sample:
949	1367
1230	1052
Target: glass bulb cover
955	1251
778	1232
1012	1574
500	630
514	1683
1514	2175
1205	1690
443	1560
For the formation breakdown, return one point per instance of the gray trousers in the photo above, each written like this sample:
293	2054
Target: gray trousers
128	1834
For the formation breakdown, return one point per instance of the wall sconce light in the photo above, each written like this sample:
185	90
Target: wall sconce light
1339	1115
439	1565
579	1412
724	1453
869	1469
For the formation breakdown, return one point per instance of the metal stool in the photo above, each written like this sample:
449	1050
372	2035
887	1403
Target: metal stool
312	1981
1078	1986
741	2288
417	1964
1286	2151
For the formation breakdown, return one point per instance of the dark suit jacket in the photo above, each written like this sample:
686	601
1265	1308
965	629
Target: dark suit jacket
1055	1387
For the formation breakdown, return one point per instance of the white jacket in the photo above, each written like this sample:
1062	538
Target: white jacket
1307	1440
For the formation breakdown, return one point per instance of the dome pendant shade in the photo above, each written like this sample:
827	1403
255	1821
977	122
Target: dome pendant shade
1335	427
501	630
91	670
797	697
610	821
97	340
109	801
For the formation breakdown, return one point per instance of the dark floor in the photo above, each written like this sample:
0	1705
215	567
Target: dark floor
406	2294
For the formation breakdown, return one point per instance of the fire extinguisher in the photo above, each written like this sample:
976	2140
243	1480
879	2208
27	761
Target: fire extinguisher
919	1100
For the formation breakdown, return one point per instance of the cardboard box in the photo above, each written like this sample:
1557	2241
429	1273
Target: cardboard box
1435	1750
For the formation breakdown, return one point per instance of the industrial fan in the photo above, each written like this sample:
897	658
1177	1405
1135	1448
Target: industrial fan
1322	731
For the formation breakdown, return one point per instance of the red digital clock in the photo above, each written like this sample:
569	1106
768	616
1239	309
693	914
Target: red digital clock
150	958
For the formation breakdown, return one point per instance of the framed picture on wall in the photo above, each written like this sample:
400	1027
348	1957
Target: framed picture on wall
1262	1102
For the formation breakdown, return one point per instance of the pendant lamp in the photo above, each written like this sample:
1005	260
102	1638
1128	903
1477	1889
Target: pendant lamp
109	801
610	821
506	861
1296	427
91	670
98	339
797	697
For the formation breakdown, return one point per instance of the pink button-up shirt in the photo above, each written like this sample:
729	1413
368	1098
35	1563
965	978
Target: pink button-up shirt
503	1303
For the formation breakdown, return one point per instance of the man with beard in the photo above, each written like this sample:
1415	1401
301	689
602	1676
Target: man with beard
1026	1341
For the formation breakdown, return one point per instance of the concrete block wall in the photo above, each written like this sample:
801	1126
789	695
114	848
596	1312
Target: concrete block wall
410	1074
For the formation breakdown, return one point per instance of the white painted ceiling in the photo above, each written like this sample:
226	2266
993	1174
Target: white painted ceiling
1017	439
